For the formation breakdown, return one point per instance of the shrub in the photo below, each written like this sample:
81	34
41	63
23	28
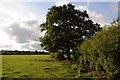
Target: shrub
101	53
57	55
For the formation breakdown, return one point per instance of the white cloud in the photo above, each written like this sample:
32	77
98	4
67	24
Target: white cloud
61	3
81	7
14	11
6	43
19	28
20	35
10	13
94	16
97	18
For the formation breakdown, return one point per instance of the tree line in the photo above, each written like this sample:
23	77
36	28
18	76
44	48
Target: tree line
16	52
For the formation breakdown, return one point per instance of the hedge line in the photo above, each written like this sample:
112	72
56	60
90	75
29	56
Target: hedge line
101	53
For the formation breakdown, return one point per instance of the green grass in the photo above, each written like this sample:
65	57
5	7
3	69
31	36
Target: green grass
35	66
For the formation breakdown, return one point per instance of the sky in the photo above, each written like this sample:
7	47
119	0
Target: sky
19	21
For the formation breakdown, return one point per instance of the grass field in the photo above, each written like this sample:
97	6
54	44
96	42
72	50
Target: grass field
36	66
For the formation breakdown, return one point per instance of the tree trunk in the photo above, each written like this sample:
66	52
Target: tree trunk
68	54
68	57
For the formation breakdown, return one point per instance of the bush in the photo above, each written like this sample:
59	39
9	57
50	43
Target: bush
57	55
101	53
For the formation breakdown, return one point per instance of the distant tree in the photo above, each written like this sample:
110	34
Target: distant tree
16	50
36	52
65	28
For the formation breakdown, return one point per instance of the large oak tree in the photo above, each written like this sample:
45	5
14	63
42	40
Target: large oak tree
66	27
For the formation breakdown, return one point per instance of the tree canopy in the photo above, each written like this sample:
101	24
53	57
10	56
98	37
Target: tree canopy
66	27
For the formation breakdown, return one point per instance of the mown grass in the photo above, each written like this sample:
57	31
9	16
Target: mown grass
36	66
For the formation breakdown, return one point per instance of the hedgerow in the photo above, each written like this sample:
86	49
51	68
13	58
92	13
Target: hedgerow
101	53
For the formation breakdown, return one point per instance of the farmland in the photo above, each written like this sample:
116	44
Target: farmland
36	66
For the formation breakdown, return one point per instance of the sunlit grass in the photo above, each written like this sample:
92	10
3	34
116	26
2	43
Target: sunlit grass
35	66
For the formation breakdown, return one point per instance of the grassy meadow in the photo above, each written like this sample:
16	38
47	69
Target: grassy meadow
36	66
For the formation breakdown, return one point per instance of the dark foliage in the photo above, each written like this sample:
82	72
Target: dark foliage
65	28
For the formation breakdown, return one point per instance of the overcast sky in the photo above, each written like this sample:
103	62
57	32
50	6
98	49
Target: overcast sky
19	21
